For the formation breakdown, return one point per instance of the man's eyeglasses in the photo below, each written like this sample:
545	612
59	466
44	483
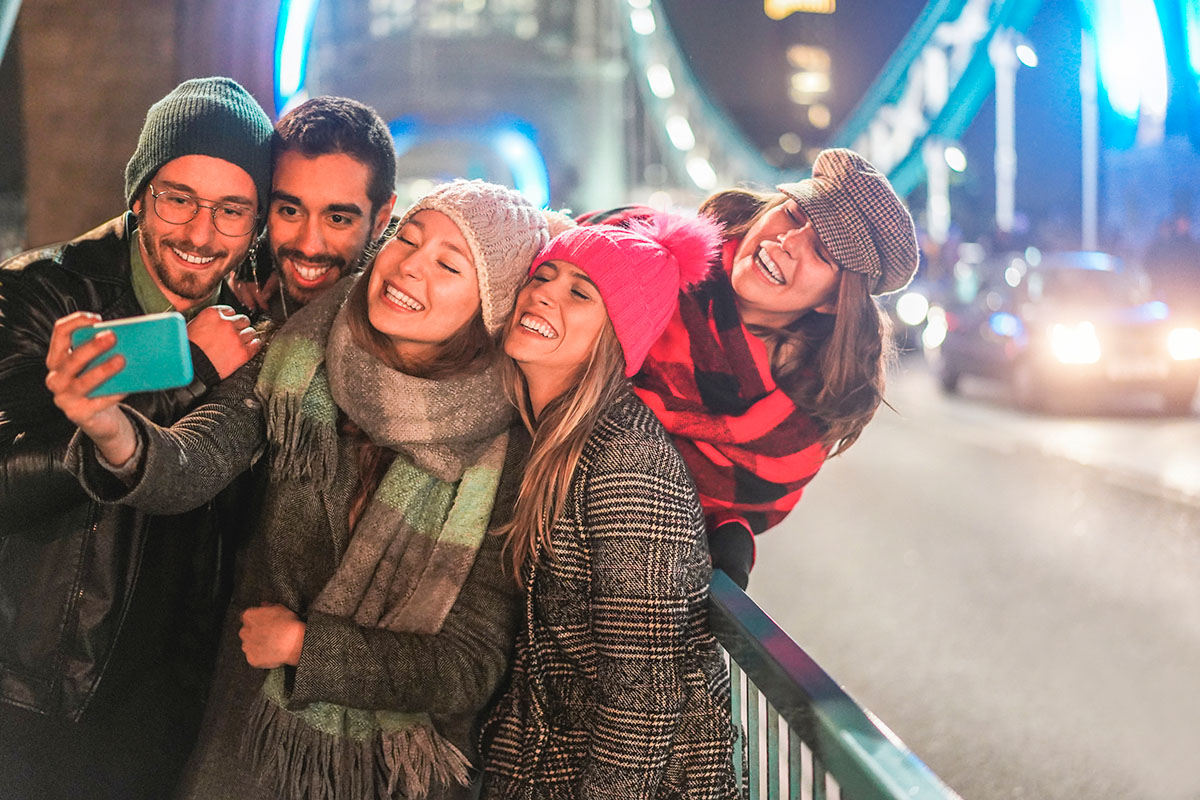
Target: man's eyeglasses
179	208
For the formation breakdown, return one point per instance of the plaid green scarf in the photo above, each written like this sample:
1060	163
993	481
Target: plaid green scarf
408	555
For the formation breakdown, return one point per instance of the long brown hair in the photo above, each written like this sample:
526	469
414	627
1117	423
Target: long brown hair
559	435
471	348
834	371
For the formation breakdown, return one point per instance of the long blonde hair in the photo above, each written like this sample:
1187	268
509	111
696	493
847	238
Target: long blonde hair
832	369
559	436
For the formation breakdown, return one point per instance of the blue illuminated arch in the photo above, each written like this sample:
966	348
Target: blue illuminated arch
293	36
512	139
1131	59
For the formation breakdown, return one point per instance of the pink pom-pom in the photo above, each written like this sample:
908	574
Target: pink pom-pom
692	240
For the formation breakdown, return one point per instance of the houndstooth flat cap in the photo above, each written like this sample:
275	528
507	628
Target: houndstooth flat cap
859	217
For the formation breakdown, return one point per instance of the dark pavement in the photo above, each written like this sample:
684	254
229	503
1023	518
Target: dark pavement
1017	597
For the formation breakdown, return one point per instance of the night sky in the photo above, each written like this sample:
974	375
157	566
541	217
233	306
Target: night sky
740	57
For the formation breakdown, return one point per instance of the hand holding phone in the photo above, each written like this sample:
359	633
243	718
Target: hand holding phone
73	375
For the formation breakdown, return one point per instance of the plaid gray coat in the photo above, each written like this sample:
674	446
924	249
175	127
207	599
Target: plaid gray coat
617	689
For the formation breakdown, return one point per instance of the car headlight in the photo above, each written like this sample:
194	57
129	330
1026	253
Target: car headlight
936	326
1184	344
911	308
1075	344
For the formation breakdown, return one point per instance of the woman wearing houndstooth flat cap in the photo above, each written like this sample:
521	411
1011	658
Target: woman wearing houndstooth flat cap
778	361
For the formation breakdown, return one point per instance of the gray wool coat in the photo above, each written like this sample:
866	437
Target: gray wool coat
297	540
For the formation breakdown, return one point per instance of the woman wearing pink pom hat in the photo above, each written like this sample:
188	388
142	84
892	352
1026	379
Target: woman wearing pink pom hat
617	686
778	362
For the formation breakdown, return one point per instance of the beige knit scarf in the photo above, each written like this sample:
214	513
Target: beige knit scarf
408	556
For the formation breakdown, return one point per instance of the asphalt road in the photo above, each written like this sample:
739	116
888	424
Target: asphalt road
1017	597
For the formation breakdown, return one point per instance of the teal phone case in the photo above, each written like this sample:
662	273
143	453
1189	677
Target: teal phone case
156	353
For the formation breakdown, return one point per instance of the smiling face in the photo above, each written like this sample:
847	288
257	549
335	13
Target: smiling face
320	219
188	261
782	270
423	288
557	320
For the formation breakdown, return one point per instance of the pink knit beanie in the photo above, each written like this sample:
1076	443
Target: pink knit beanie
639	271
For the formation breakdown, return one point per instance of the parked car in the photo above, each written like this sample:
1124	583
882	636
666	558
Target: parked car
1061	326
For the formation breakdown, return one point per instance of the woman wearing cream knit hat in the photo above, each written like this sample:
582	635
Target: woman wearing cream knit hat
778	362
373	617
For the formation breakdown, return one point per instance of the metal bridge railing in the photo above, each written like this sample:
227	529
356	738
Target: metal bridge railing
801	736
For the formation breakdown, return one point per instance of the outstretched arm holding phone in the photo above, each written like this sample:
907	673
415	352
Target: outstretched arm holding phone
72	377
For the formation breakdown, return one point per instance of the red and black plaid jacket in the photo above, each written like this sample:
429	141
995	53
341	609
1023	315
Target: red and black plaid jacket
708	379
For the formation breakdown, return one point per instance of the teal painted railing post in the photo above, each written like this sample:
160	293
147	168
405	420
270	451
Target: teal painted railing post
865	759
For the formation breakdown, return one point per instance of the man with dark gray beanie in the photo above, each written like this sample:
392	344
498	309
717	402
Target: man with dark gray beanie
108	616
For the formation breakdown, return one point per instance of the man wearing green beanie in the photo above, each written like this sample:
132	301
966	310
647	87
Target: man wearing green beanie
108	617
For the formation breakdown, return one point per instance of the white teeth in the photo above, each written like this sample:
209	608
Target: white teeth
311	273
769	267
532	323
400	297
191	259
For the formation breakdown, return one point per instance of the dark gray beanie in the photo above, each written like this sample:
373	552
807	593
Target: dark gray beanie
204	117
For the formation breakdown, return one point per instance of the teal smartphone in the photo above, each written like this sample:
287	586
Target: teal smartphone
155	347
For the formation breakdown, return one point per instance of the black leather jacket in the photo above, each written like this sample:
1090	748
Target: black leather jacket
68	566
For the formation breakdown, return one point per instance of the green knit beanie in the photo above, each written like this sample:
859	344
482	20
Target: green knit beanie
206	117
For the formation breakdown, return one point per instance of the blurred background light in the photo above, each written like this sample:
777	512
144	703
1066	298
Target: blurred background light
513	140
1131	55
659	78
701	173
530	176
819	115
1026	55
680	133
781	9
912	308
811	82
642	21
1184	344
1191	33
956	159
1075	344
292	37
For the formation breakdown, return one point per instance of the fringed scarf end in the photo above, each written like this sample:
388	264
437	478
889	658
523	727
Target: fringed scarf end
301	448
307	764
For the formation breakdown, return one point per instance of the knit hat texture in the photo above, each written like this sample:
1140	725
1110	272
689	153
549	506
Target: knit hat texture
860	218
640	270
504	231
206	117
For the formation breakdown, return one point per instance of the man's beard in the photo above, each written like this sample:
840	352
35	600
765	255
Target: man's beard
188	285
304	294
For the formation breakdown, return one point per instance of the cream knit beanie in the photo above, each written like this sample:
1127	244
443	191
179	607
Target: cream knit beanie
504	231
